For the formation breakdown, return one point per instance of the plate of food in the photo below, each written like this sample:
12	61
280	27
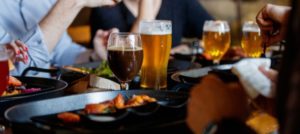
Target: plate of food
23	89
105	112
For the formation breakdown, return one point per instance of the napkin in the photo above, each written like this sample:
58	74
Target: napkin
253	80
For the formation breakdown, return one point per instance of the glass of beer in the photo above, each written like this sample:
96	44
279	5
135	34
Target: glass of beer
252	40
4	73
157	42
125	56
216	39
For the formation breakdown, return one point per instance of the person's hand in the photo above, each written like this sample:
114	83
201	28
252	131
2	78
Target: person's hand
272	20
213	100
17	51
98	3
270	74
100	42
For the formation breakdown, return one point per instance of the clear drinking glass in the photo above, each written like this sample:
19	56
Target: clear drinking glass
216	39
125	56
252	40
157	42
4	71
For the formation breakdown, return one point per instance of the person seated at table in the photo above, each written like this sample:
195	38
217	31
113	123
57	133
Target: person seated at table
213	100
187	16
41	25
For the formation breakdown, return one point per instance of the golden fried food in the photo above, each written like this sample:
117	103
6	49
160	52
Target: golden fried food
119	101
138	100
14	92
69	117
12	81
99	108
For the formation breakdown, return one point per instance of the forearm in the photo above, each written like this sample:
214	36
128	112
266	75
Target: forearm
58	20
147	11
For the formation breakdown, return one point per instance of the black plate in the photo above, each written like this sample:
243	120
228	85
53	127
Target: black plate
193	76
45	117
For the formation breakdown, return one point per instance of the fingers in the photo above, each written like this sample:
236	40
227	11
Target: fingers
271	74
23	51
19	51
114	30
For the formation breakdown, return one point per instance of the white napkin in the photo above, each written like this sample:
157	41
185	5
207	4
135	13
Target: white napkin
252	79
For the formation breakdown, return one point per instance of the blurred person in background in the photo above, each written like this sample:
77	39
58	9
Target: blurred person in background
213	100
41	25
187	16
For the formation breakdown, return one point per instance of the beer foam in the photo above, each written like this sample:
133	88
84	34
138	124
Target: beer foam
125	48
249	29
216	29
156	32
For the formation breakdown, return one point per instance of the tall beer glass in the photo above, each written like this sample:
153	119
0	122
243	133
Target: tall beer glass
216	39
252	40
157	41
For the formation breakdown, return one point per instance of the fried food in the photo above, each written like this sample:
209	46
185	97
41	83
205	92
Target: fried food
138	100
119	101
101	108
12	81
69	117
14	92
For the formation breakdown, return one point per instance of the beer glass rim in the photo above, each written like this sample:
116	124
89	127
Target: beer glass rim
125	33
157	21
214	21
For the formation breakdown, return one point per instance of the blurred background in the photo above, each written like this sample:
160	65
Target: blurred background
234	11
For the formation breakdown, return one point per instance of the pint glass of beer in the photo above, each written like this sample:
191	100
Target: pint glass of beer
252	40
216	39
157	41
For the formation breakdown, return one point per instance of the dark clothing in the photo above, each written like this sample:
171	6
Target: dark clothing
187	17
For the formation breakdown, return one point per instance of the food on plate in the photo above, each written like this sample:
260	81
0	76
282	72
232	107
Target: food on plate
102	70
105	107
16	87
69	117
118	103
110	106
138	100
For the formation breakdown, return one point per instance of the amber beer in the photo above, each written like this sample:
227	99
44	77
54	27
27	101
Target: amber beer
252	40
216	43
157	41
216	39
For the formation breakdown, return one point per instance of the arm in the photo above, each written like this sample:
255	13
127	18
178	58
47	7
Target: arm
272	21
147	10
61	16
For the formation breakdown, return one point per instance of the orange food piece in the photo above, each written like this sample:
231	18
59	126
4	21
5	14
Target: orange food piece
12	81
98	108
138	100
69	117
119	101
